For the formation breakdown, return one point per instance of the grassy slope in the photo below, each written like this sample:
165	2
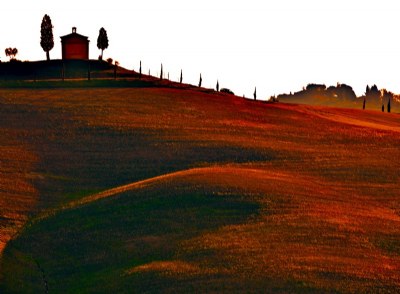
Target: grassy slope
280	196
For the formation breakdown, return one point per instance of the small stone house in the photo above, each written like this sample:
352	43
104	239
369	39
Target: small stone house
75	46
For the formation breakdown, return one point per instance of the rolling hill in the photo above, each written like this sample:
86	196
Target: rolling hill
159	189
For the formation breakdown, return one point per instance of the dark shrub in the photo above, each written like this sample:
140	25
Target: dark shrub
227	91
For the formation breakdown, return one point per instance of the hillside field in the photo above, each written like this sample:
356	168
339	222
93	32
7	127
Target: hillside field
155	189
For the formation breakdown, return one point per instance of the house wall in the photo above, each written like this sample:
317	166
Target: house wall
75	48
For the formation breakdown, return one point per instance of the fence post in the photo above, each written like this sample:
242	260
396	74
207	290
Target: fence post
89	70
63	71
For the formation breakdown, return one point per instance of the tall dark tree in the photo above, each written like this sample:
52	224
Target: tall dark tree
140	69
364	104
102	41
388	106
161	72
217	86
46	35
200	81
181	78
255	93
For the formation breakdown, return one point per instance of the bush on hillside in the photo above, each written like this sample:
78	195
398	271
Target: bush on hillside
227	91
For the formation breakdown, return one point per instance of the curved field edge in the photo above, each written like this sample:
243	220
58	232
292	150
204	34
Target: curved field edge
142	225
226	228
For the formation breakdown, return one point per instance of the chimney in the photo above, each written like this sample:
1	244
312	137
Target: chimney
74	30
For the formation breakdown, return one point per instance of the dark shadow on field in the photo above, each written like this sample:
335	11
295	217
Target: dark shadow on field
77	159
92	248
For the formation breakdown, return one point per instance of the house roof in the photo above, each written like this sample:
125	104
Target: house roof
73	35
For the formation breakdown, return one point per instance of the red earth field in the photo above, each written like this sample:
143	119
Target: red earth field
321	186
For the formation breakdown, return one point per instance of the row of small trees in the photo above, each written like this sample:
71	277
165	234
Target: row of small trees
225	90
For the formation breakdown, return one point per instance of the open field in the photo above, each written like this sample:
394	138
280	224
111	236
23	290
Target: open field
178	190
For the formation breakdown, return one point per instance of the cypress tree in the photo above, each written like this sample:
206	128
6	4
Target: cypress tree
102	41
217	86
200	81
181	78
46	35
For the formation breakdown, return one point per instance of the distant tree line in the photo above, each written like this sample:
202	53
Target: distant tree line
343	92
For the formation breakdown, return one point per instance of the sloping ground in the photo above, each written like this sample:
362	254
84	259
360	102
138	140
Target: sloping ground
178	191
367	118
17	194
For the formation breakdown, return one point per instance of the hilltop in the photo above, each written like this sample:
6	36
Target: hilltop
151	189
56	69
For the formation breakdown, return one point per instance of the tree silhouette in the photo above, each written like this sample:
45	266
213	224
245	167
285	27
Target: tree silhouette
161	73
373	93
255	93
217	86
341	92
200	81
364	104
181	78
102	41
386	96
140	70
316	87
11	52
46	35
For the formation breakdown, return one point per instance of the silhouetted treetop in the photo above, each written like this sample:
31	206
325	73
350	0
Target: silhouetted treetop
102	41
11	52
373	92
227	91
46	35
316	87
342	91
386	95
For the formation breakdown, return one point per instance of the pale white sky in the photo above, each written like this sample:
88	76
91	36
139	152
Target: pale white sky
278	46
